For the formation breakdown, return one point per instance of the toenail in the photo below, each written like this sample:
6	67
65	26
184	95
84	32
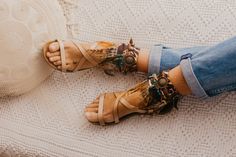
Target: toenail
52	47
89	115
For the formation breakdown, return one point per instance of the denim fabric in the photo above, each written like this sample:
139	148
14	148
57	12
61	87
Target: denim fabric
164	58
214	69
208	70
155	59
192	79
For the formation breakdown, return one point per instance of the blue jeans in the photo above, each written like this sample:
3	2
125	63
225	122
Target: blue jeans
208	70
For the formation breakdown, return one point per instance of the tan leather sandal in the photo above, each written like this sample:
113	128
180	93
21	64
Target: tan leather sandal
109	56
121	99
94	55
154	95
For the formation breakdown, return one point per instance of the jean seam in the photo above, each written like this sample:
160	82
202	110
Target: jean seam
223	89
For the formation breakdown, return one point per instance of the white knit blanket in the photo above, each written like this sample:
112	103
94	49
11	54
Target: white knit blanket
49	121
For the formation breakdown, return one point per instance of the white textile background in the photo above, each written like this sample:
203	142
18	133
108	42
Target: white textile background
49	121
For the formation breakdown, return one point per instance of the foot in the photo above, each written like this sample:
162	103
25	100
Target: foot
134	97
73	54
157	94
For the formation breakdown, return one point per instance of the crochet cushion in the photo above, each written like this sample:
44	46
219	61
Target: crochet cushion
25	25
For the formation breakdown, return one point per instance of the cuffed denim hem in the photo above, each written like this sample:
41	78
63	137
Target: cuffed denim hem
155	59
191	79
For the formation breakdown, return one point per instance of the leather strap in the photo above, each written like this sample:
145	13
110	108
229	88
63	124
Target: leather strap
63	55
115	108
100	110
119	99
85	55
82	60
124	102
131	107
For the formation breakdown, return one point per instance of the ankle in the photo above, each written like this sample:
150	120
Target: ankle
142	62
178	80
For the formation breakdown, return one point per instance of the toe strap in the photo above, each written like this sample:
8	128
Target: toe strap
100	110
63	55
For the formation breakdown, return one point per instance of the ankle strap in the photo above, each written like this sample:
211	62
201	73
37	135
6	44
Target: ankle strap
122	59
163	96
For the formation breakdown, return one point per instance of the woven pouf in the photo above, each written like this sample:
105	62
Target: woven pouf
25	25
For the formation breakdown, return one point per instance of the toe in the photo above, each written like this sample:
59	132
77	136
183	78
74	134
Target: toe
94	104
57	53
57	63
53	47
53	54
95	110
48	54
55	58
91	116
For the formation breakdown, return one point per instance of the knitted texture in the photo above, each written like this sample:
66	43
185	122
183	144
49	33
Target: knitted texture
49	121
